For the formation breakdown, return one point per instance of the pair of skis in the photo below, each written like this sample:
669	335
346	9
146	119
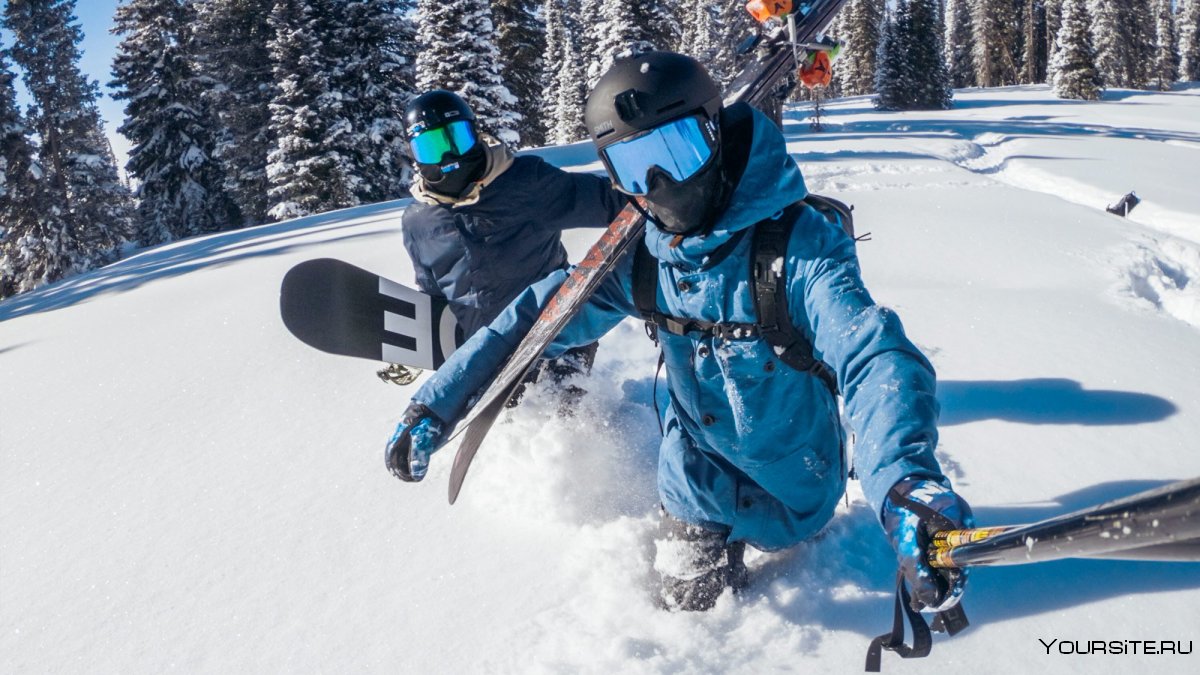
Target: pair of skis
777	52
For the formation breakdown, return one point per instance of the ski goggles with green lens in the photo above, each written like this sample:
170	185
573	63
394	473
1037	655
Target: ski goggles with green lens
432	145
679	148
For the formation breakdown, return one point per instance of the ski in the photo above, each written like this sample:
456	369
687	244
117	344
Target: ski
1159	524
757	81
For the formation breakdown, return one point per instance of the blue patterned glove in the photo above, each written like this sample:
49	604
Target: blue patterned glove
913	512
418	436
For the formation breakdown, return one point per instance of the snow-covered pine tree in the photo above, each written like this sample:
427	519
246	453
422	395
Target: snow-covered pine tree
1033	29
1189	41
858	25
372	73
305	176
458	53
1112	38
1074	66
891	71
733	25
233	38
1053	11
995	36
699	35
1141	16
1166	53
960	57
931	81
626	27
521	39
81	176
912	73
179	183
564	91
35	241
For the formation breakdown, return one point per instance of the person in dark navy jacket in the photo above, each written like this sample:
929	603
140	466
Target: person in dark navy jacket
486	225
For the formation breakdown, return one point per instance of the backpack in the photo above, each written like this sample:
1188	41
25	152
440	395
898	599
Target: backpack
774	325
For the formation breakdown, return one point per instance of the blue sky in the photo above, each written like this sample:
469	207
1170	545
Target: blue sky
98	47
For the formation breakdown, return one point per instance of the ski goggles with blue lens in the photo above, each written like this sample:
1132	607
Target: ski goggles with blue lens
431	145
679	148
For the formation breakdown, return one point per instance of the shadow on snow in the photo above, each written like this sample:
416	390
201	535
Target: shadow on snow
181	257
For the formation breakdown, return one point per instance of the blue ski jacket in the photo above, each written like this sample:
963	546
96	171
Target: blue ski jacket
750	443
481	253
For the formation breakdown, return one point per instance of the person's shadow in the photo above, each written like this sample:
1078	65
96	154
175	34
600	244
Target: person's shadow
1046	401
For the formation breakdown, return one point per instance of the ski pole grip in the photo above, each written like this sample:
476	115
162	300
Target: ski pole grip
941	550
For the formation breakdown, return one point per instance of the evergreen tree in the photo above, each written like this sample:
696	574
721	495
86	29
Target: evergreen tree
733	24
305	175
1033	29
373	75
1189	41
521	39
564	92
1166	55
994	29
858	25
81	175
35	242
180	184
912	73
233	38
1111	35
1141	62
458	53
1053	12
960	58
627	27
891	76
1074	67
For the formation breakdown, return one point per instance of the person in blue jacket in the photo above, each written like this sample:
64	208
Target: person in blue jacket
486	224
753	450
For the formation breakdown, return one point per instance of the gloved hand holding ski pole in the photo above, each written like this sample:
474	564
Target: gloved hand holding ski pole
418	436
913	512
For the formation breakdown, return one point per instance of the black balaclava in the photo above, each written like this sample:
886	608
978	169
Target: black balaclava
464	171
694	206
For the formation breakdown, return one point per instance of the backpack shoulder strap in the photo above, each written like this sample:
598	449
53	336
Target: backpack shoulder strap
768	260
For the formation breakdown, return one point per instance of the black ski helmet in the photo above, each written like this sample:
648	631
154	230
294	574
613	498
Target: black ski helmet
647	91
434	109
643	91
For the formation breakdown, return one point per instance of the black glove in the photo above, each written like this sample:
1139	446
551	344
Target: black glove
418	436
913	512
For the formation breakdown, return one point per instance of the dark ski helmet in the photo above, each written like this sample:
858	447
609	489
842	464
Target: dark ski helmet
654	120
640	92
434	109
445	143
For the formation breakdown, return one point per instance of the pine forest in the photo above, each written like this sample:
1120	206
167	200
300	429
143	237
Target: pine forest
244	112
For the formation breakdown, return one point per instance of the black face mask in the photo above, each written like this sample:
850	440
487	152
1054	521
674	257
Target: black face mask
466	171
693	206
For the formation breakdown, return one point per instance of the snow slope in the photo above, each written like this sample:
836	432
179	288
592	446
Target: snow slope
184	487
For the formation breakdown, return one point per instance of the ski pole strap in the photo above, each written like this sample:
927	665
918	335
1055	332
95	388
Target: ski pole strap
894	641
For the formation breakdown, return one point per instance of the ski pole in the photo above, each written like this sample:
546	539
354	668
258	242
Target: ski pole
1158	524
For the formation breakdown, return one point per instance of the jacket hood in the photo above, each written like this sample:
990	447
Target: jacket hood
770	182
499	158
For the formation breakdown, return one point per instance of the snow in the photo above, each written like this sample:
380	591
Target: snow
185	487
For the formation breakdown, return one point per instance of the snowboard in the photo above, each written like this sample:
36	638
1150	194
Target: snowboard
342	309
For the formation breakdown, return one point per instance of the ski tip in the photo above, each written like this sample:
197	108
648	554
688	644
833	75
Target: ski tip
454	489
